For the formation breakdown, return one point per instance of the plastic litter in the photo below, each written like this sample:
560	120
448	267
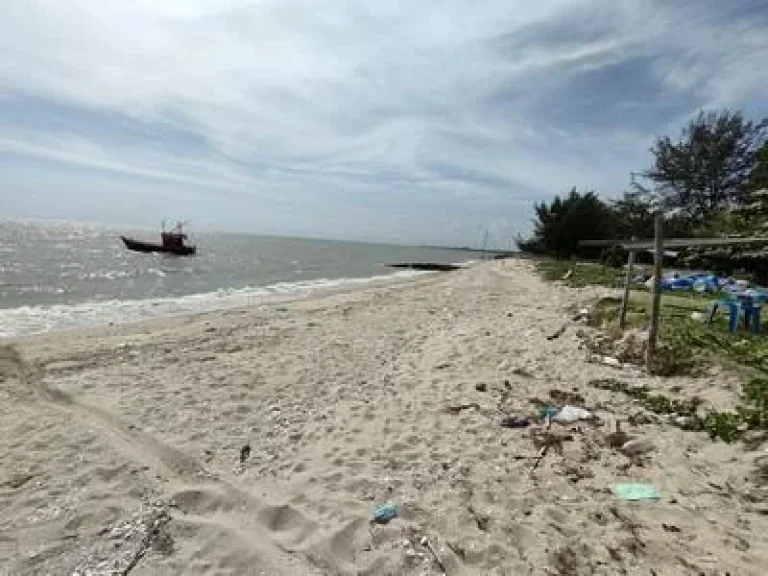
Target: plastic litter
385	513
515	422
638	447
685	422
677	284
636	492
695	282
582	314
548	412
571	414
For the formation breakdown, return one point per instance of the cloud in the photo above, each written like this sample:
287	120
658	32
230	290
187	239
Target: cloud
411	122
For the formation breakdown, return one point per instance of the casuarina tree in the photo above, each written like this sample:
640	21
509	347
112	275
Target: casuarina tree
710	166
562	224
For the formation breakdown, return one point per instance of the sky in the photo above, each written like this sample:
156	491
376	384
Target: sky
422	122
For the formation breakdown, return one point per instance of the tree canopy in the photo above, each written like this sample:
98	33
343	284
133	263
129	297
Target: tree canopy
711	181
561	224
634	213
758	179
709	167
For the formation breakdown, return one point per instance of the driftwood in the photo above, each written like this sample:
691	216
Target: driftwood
154	525
539	458
560	331
437	557
461	407
245	453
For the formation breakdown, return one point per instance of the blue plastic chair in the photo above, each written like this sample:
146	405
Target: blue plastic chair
752	302
752	314
734	313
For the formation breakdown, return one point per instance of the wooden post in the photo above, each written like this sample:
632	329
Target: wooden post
627	284
658	257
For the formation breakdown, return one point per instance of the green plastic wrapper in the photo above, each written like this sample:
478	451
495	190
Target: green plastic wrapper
637	492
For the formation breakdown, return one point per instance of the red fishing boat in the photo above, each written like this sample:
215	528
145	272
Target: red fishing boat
171	243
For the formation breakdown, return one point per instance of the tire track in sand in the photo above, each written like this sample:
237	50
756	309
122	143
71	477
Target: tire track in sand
250	535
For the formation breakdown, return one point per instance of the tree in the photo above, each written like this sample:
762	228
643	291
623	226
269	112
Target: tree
758	179
634	215
752	214
709	168
560	225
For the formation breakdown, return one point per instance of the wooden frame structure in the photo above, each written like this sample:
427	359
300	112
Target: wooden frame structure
658	244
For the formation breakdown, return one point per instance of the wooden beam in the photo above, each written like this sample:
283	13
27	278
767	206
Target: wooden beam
658	258
674	242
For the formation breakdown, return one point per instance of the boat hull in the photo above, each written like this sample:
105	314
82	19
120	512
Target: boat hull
147	247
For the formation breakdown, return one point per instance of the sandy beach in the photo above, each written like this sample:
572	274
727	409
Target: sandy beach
259	441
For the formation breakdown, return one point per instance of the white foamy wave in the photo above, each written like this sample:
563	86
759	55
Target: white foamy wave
108	275
27	320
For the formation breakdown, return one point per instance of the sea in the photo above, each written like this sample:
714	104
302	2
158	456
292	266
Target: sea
63	275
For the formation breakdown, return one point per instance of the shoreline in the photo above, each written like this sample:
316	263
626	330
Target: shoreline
272	308
59	318
135	436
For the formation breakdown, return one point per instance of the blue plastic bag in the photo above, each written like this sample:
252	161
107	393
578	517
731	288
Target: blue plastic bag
385	513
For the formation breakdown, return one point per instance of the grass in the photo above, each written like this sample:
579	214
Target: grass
582	274
687	337
727	426
687	346
691	340
656	403
592	274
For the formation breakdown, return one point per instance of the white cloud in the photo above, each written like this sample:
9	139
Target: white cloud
364	101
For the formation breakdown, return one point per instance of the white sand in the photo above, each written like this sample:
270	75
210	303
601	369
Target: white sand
127	439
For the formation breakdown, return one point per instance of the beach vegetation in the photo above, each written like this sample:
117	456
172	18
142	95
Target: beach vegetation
710	181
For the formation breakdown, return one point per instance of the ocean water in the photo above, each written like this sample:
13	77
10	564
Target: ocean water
56	276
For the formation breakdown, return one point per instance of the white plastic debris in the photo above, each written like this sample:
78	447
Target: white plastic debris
610	361
638	447
571	414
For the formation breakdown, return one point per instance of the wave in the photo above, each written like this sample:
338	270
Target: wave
27	320
71	271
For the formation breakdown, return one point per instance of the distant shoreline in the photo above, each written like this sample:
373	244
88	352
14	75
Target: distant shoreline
506	253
